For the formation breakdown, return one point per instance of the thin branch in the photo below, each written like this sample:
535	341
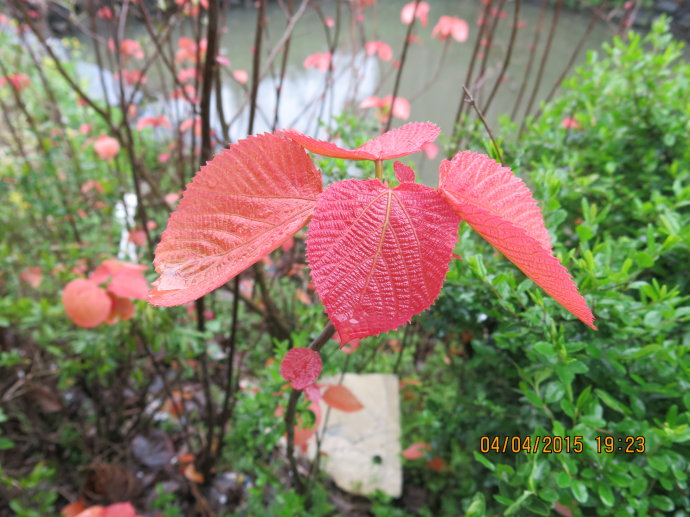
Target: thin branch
469	99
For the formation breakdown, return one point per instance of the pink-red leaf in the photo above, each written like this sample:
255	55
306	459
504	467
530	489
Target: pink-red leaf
301	367
499	206
378	255
403	172
402	141
341	398
416	450
240	206
85	303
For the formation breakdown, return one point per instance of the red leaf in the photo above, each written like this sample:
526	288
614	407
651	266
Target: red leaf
241	205
85	303
120	510
379	256
301	367
499	206
32	276
339	397
129	282
402	141
403	172
416	450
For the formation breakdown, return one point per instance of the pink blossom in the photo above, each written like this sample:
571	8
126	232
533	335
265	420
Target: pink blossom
105	12
222	60
409	13
451	26
401	107
241	76
18	81
84	129
132	77
330	22
384	50
431	150
159	121
186	74
321	61
130	47
106	147
570	123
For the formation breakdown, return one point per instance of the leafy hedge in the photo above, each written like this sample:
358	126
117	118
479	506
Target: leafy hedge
614	182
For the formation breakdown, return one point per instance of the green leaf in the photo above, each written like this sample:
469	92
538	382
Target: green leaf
477	507
606	495
579	490
663	503
484	461
612	402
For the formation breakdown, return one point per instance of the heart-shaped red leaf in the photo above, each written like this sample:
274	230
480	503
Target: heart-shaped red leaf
341	398
499	206
301	367
402	141
378	255
240	206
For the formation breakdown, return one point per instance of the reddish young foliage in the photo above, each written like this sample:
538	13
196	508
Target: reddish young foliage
416	450
32	276
301	367
403	172
240	206
341	398
378	255
499	206
450	26
399	142
85	303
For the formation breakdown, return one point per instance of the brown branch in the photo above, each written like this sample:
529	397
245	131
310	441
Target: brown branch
469	99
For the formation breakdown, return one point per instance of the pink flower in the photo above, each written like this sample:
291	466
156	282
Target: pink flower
106	147
451	26
384	50
105	12
188	49
222	60
132	77
190	123
129	47
32	276
330	22
431	150
570	123
18	81
409	13
241	76
186	74
401	107
321	61
159	121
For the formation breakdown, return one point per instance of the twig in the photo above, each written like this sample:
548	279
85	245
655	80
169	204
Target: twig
469	99
403	58
506	61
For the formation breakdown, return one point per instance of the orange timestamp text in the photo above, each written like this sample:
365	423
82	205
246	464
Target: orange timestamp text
532	444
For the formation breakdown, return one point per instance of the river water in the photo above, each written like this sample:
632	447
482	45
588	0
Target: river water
432	77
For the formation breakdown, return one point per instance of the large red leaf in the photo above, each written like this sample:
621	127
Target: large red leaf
240	206
402	141
378	255
499	206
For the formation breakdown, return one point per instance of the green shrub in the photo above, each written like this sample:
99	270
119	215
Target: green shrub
615	191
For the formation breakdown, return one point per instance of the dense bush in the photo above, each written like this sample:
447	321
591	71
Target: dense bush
613	180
